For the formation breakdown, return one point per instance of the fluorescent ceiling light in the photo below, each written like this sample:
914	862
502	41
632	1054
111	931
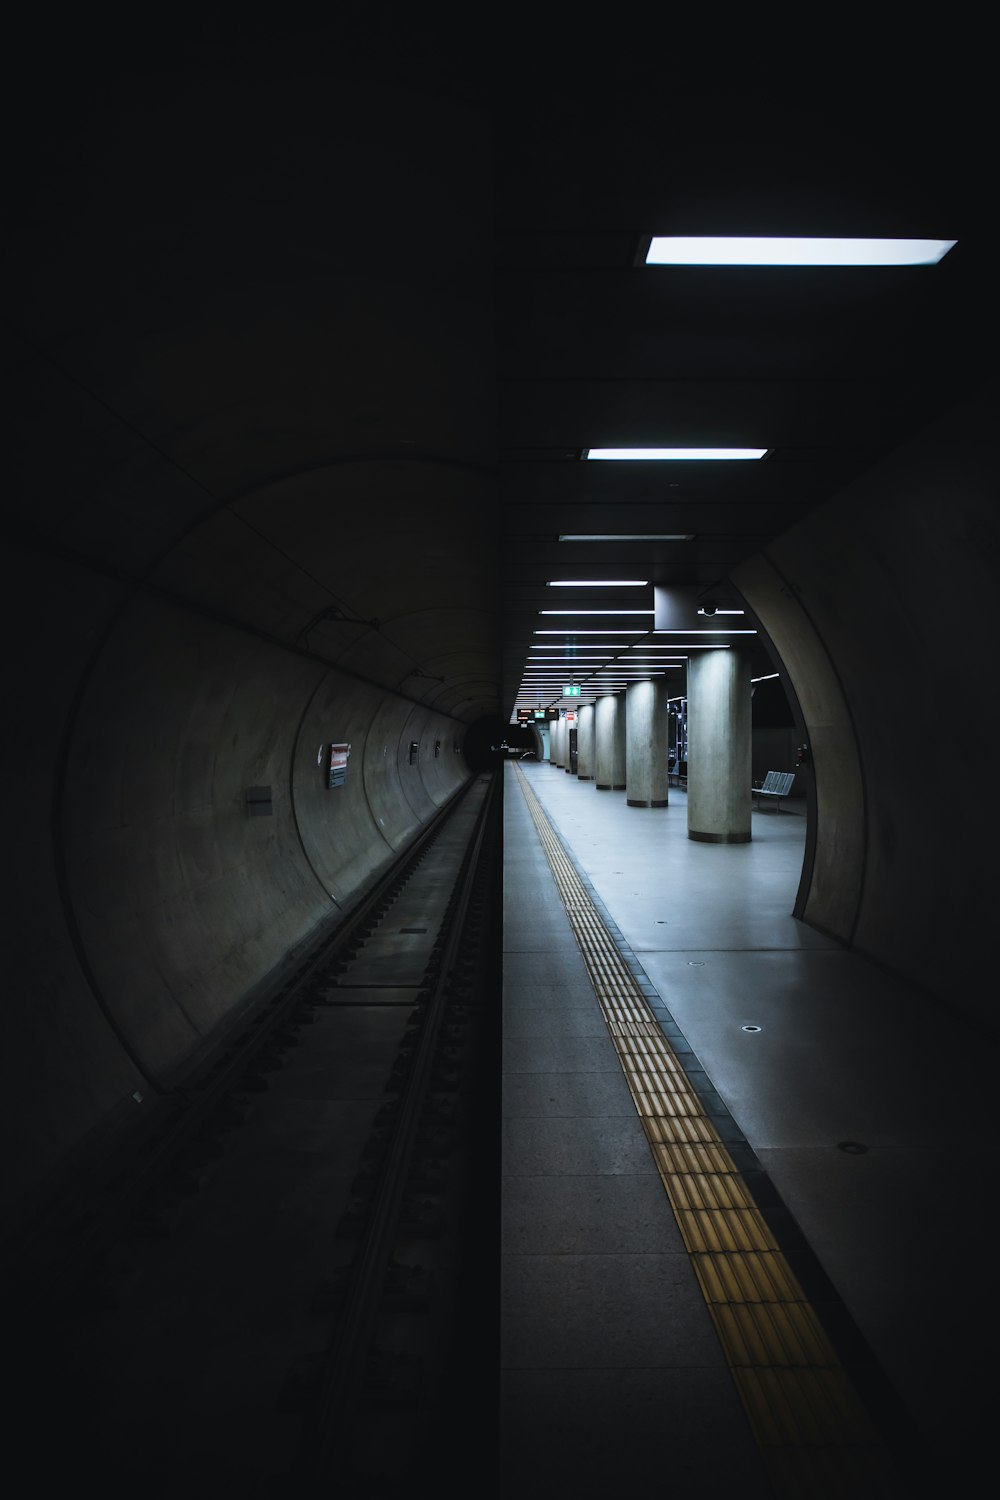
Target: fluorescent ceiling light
723	612
705	632
579	613
678	453
766	678
597	583
740	250
569	631
646	536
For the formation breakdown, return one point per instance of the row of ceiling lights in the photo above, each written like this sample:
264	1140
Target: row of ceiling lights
677	250
614	666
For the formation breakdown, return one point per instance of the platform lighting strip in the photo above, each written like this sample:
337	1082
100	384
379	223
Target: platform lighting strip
678	646
778	250
606	614
587	645
597	583
766	678
812	1430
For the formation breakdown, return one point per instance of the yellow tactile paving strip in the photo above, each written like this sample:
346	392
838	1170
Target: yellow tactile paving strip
815	1437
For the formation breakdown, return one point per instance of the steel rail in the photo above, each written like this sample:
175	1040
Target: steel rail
65	1245
326	1434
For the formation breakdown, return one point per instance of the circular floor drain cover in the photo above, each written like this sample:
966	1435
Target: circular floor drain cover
750	1028
853	1148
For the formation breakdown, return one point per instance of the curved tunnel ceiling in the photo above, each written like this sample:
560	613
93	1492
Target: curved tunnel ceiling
325	320
264	413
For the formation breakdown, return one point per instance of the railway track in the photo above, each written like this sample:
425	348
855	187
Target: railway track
291	1288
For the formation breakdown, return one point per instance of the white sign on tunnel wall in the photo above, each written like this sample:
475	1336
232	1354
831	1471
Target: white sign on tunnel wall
336	770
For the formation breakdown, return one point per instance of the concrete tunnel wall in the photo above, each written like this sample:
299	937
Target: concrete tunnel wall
882	608
160	906
251	512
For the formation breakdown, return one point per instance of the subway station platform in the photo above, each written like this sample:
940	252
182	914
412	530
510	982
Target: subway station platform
747	1214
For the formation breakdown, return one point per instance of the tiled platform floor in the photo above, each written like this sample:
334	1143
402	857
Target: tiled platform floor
612	1372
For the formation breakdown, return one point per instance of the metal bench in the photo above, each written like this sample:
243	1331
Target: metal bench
776	784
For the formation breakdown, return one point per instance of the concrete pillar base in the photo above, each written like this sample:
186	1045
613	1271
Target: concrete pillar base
718	838
610	786
634	802
583	778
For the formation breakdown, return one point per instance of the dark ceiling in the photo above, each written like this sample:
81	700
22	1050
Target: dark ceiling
826	368
199	212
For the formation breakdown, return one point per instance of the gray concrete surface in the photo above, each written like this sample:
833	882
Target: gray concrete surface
845	1052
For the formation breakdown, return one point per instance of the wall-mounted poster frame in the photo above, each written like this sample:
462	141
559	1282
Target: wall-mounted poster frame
336	765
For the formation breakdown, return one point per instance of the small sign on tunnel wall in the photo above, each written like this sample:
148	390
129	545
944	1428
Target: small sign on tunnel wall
336	770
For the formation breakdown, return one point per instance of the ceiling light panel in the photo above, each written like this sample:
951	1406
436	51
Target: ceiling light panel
663	536
739	250
684	454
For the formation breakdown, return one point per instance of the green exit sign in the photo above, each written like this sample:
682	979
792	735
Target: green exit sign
572	691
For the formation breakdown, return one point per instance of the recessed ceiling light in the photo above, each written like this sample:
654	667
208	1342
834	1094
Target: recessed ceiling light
597	583
662	536
677	453
739	250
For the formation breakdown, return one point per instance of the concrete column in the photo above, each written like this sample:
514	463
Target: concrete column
646	743
719	765
559	743
609	744
585	743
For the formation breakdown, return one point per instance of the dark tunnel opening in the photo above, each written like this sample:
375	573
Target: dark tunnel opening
484	744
